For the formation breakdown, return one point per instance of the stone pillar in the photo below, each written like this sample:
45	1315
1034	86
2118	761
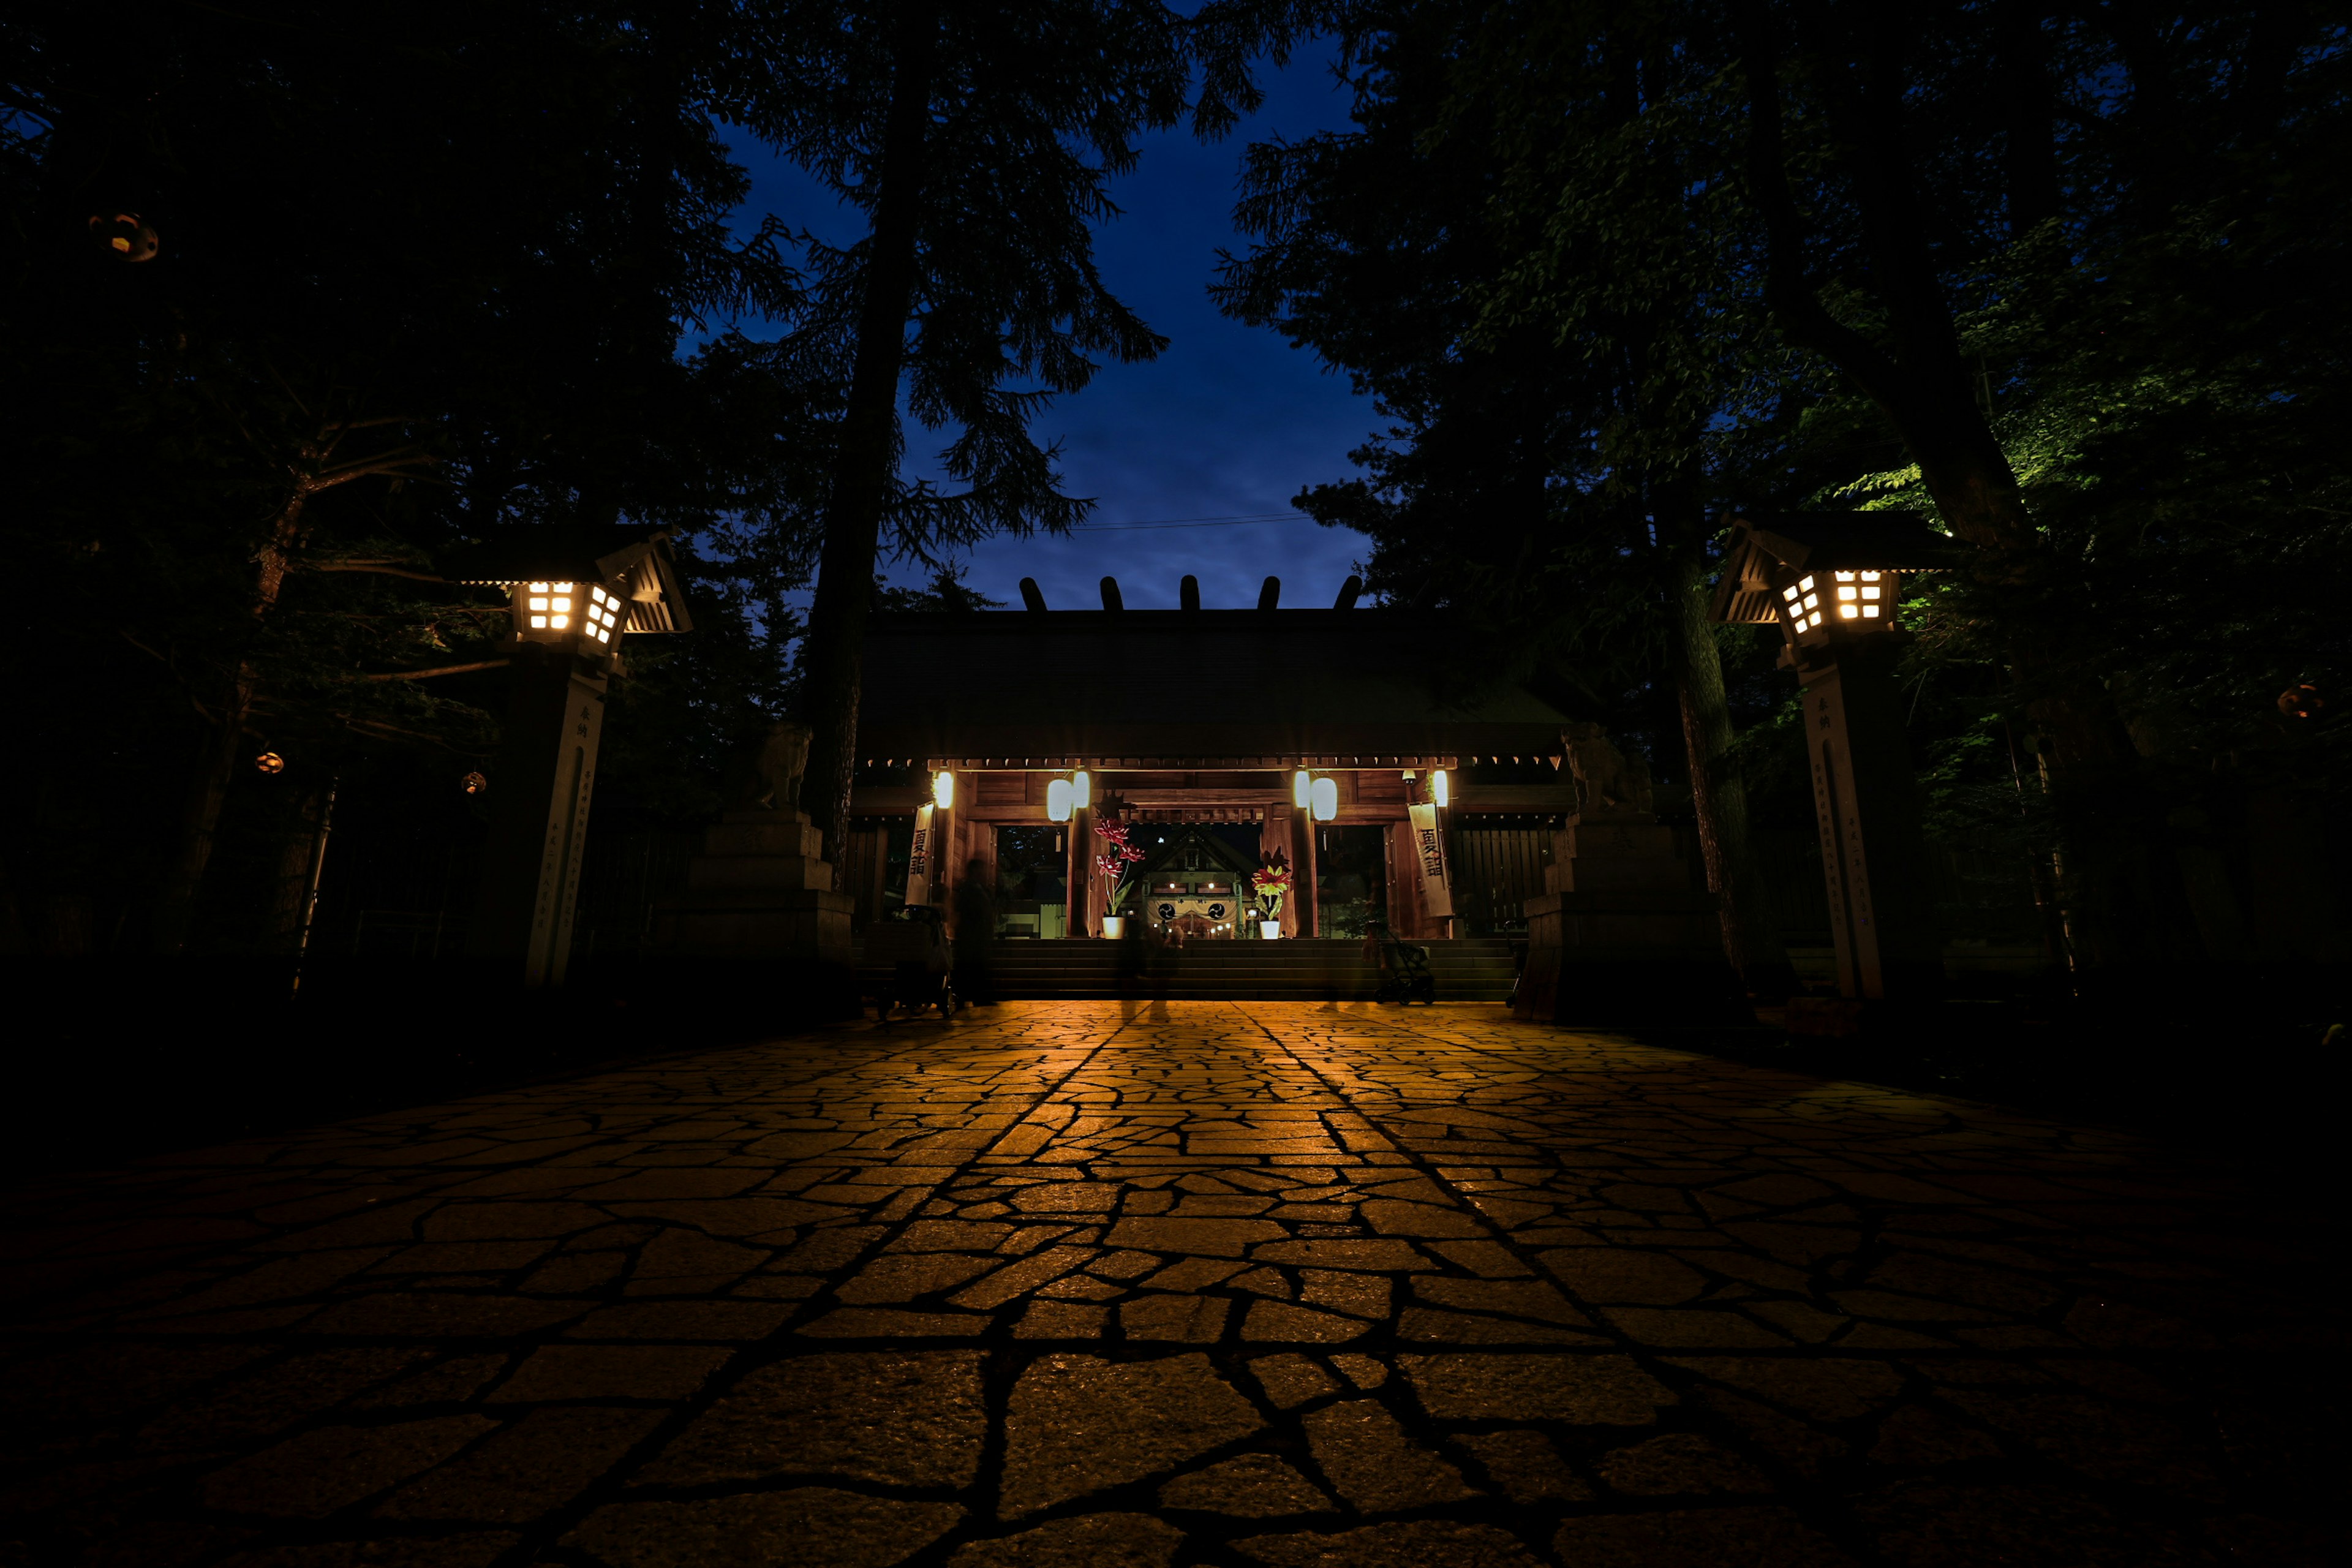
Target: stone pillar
1631	934
538	815
1873	852
760	889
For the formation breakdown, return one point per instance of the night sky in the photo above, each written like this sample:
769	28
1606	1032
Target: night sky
1229	422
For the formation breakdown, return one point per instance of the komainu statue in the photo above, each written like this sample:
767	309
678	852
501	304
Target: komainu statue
1608	782
768	777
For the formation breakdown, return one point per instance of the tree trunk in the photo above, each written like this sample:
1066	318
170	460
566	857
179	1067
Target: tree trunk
1751	937
833	653
175	899
208	782
302	829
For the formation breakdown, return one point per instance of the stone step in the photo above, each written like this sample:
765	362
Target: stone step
1473	969
1311	970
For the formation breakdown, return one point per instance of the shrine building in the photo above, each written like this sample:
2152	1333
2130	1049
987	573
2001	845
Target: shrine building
1193	727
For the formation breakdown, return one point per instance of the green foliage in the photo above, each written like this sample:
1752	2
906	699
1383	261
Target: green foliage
2135	236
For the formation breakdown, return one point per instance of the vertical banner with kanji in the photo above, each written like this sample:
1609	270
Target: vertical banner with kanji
1429	849
918	859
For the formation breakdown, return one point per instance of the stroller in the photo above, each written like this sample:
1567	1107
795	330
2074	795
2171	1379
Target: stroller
910	958
1404	969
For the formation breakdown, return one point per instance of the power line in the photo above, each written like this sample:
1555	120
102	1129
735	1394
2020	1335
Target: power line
1191	522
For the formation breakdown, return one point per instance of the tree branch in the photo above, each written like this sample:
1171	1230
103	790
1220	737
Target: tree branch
378	568
337	473
437	670
1798	311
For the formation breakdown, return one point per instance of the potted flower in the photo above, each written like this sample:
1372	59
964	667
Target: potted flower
1116	862
1271	883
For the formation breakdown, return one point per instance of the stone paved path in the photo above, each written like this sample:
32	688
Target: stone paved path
1258	1284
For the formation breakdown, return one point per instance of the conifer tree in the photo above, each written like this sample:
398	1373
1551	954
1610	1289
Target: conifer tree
978	142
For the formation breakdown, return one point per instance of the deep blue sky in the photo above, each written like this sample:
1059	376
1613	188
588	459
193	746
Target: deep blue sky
1229	422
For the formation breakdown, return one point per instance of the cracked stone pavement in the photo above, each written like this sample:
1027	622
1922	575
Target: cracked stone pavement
1107	1285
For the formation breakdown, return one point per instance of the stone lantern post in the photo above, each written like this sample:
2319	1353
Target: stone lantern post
572	611
1831	582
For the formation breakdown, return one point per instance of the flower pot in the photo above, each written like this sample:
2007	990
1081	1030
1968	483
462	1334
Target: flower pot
1113	927
1270	929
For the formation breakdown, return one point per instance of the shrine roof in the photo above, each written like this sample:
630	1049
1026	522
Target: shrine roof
1180	687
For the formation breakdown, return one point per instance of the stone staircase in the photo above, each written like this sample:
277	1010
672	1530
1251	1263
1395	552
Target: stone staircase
1469	970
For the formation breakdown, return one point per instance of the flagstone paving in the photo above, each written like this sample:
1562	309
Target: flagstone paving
1100	1285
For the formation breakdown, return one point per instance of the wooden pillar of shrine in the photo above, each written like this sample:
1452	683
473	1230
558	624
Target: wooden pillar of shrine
947	854
1405	916
1302	874
1080	883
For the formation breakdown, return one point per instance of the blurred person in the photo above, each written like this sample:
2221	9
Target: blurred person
975	937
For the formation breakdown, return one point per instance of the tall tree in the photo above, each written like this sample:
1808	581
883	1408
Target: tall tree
1549	466
978	140
1966	257
1884	179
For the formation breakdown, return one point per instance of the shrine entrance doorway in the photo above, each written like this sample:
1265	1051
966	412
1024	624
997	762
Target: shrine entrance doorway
1032	881
1194	881
1351	879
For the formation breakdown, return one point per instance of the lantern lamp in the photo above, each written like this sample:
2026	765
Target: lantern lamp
124	237
1824	579
564	595
548	609
2302	701
1082	790
1325	795
943	790
270	762
1441	788
1302	785
1058	800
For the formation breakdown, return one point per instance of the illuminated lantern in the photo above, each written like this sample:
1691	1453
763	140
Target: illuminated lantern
566	598
1302	786
555	612
124	237
943	790
1058	795
1325	795
1824	579
1441	788
1082	790
1829	581
270	762
2302	701
474	782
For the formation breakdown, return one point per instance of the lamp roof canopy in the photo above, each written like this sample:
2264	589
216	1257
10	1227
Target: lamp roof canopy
1198	684
1768	551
